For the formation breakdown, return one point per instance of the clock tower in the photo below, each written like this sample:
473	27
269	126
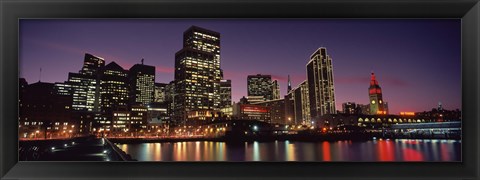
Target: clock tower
377	106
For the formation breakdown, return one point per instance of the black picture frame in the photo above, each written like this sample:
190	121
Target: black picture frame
11	11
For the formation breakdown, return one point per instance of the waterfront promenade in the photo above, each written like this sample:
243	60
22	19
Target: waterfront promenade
89	148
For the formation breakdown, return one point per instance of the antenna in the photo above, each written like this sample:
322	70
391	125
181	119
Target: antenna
142	61
40	75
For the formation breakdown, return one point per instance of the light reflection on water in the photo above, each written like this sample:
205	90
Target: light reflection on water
379	150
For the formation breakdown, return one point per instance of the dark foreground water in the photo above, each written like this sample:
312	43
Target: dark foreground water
377	150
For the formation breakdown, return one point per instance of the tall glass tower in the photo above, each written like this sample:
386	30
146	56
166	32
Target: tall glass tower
320	83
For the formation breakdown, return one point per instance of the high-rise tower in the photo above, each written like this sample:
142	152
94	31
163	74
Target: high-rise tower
320	84
141	84
197	75
260	87
84	85
377	106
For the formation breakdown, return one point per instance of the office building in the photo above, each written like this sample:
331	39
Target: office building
261	86
225	94
320	84
276	90
141	84
251	112
276	109
349	108
197	76
113	83
160	92
84	85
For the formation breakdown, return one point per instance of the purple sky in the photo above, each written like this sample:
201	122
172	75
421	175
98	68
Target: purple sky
417	62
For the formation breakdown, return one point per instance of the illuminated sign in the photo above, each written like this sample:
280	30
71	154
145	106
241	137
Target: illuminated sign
381	112
256	109
407	113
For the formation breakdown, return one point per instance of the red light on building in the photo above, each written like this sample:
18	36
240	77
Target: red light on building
254	108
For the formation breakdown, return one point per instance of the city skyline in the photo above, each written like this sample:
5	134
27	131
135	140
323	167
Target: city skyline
417	82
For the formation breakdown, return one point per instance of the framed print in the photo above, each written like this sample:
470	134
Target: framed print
240	89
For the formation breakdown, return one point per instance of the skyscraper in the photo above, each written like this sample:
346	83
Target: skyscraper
83	85
225	93
276	89
142	84
197	75
301	105
113	94
320	83
91	64
306	118
375	95
260	86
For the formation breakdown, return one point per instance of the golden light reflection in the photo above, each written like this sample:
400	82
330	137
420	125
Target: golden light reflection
157	152
291	152
220	149
177	148
197	151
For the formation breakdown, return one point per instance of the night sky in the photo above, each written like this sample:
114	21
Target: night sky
417	62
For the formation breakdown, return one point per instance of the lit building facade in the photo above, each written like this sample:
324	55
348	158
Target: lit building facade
375	96
255	99
349	108
320	84
142	84
113	94
305	105
276	89
298	105
225	94
120	119
261	85
138	118
197	75
251	112
84	90
277	110
160	92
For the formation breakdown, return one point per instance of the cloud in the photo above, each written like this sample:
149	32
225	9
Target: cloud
164	69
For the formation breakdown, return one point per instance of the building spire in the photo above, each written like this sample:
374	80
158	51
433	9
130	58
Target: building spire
289	88
40	75
142	61
373	80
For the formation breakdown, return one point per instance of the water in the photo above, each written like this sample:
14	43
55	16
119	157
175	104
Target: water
377	150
